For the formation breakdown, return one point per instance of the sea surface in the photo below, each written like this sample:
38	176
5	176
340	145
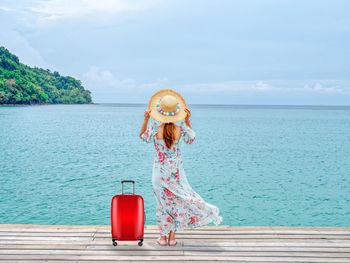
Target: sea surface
261	165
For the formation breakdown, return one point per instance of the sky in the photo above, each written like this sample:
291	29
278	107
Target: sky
291	52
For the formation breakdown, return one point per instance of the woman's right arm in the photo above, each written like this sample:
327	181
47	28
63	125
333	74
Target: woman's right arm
187	133
187	120
145	122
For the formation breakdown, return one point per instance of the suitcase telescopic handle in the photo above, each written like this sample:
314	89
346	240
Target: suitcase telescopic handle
133	185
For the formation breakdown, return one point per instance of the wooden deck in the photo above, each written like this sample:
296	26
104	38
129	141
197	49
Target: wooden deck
41	243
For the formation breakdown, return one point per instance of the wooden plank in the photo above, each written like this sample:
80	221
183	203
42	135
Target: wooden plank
189	242
220	248
179	261
346	243
58	238
74	227
234	236
154	246
247	232
43	246
41	257
177	252
278	243
203	238
214	258
49	230
153	232
269	254
193	261
172	258
196	231
43	242
3	235
89	252
240	228
155	261
162	261
54	236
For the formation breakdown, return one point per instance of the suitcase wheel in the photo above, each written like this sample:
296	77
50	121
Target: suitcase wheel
140	242
115	242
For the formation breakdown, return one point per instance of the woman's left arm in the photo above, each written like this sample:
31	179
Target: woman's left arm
145	122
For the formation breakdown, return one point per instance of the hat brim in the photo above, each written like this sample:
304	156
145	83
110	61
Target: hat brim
156	115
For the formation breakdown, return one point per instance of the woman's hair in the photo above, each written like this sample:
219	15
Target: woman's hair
168	134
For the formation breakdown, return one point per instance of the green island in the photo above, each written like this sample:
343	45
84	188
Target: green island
21	84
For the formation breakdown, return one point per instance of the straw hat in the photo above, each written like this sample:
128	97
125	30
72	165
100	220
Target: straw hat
167	105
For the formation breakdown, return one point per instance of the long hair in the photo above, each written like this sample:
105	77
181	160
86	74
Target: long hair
168	134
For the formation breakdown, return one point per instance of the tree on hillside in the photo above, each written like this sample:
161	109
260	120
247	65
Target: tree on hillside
21	84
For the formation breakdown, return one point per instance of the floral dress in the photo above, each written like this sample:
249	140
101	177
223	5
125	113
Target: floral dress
178	205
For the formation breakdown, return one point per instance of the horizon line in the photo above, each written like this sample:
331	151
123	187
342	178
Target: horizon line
231	104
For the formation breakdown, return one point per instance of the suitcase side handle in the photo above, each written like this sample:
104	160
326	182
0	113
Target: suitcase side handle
133	185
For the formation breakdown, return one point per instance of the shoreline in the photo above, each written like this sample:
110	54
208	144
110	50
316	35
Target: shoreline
46	104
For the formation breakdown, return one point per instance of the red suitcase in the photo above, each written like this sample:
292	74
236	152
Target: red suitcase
127	216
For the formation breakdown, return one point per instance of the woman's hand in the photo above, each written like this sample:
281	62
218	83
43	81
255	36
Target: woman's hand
147	114
187	120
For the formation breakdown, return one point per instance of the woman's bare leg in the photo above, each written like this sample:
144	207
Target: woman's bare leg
171	239
162	240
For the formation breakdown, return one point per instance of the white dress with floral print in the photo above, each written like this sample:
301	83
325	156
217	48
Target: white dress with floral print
178	205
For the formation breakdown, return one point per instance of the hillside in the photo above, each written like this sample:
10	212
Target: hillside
21	84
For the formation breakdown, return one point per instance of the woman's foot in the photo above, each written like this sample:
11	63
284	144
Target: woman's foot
162	240
171	240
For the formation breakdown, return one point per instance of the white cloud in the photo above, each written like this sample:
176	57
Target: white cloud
43	13
157	84
48	11
271	86
102	82
95	74
263	86
6	9
105	87
328	87
22	48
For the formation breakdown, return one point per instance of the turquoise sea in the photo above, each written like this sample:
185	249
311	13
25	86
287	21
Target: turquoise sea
261	165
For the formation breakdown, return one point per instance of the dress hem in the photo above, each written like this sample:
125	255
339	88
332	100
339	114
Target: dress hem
203	223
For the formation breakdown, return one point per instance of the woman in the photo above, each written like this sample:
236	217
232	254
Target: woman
178	206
